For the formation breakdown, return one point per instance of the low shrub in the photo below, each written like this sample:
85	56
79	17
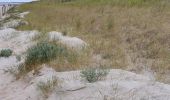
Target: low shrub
94	74
42	53
5	53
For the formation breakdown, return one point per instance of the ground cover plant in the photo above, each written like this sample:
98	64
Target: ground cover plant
5	52
94	74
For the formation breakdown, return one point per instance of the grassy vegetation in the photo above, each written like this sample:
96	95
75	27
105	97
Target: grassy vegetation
43	52
46	52
94	74
5	52
106	2
53	54
123	33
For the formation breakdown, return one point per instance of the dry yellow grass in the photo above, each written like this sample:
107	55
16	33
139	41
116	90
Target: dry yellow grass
129	33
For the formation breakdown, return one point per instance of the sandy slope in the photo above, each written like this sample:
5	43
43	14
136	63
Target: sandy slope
118	85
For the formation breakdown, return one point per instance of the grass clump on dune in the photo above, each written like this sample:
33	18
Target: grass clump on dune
5	52
43	53
94	74
39	54
53	54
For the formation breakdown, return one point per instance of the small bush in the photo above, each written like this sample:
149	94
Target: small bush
42	53
5	53
93	74
48	86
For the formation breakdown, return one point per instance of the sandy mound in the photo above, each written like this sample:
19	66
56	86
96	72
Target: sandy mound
55	36
18	41
119	85
6	34
71	42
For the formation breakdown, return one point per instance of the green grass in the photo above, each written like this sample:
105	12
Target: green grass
46	52
5	52
43	52
94	74
53	54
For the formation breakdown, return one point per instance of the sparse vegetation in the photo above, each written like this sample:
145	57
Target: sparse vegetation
50	53
124	32
94	74
47	87
5	52
120	34
17	71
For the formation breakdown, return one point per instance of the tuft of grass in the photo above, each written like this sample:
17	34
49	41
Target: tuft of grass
94	74
5	52
42	53
53	54
47	87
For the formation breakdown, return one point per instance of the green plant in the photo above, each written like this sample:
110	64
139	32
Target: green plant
45	52
93	74
48	86
5	52
42	53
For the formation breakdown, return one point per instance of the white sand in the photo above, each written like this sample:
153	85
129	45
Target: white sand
71	42
18	41
119	85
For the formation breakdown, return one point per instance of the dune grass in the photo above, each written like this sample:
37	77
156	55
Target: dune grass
5	52
43	52
53	54
94	74
122	33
